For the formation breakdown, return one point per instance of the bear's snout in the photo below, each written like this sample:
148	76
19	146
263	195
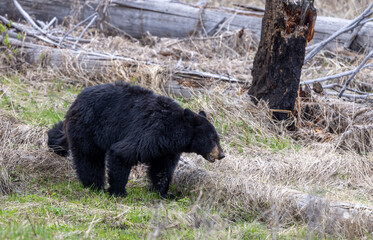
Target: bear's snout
221	155
216	153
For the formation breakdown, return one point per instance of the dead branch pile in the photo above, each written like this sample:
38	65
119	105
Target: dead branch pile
348	124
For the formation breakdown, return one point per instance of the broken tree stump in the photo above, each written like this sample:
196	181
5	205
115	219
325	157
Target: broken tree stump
286	29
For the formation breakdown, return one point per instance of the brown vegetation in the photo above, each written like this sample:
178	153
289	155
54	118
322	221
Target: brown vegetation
266	166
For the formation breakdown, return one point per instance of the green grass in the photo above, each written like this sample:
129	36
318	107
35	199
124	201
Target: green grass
39	106
63	209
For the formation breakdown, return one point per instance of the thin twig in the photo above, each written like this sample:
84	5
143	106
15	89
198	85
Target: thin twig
85	20
212	31
256	9
185	73
323	79
355	72
347	28
199	39
108	56
121	31
27	16
84	30
91	225
333	85
41	23
226	22
367	20
193	62
352	96
28	31
32	225
2	92
50	23
20	27
347	44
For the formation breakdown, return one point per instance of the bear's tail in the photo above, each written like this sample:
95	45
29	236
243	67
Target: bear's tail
57	140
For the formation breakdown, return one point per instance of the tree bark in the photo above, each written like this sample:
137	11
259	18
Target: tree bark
286	29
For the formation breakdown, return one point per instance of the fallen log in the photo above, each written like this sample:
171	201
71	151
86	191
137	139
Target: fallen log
97	63
331	217
173	19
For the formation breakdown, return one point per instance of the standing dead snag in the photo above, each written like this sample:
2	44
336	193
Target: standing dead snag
287	27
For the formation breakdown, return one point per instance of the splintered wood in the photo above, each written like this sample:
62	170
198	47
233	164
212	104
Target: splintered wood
286	29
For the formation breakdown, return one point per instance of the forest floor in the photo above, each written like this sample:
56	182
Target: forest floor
247	194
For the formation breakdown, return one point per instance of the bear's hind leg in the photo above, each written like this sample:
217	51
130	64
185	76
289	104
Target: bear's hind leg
161	171
90	168
120	163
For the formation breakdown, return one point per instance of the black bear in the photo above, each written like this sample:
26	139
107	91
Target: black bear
124	125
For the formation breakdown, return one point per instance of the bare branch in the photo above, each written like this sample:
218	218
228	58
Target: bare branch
41	23
121	31
367	20
352	96
28	31
84	30
85	20
323	79
50	23
255	9
354	34
191	74
347	28
27	16
213	30
355	72
336	85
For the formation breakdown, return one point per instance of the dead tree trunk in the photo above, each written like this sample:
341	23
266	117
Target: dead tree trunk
286	29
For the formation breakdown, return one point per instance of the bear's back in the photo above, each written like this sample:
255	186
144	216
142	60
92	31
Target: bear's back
115	111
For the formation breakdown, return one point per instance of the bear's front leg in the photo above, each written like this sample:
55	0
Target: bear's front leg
161	171
120	160
89	166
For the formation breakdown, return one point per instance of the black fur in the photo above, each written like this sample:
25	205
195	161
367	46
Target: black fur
57	140
125	125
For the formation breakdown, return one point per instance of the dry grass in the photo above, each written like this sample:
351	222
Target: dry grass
263	163
23	153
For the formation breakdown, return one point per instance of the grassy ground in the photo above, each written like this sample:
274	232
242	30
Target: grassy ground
245	196
64	210
46	204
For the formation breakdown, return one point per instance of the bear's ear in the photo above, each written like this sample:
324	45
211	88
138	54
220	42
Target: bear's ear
202	113
188	115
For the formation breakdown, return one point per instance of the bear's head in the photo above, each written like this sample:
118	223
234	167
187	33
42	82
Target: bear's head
205	139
